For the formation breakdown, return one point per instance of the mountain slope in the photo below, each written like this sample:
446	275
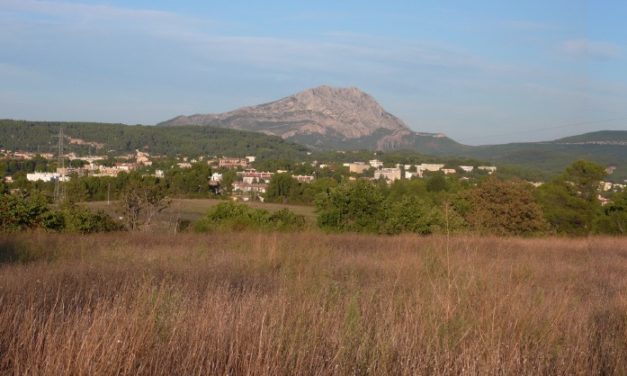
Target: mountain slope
322	118
608	148
38	136
599	138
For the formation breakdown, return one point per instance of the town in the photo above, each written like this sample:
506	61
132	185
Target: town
249	183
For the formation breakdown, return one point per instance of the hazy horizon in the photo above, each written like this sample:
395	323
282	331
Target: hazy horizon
480	72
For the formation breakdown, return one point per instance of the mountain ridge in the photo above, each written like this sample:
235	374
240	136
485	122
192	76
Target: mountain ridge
319	117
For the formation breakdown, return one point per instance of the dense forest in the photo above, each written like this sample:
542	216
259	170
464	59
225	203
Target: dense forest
119	138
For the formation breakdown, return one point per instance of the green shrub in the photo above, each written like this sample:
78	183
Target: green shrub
230	216
84	221
22	211
419	216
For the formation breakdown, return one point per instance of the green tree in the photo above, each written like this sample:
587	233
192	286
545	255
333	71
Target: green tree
614	217
353	206
76	189
228	178
503	208
317	187
21	211
140	201
233	216
417	215
82	220
283	188
570	201
436	183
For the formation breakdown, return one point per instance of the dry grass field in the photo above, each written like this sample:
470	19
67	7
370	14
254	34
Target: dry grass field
311	303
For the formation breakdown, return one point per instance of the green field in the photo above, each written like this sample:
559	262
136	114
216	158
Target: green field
193	209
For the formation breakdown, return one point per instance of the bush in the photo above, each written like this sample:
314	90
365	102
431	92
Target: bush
419	216
84	221
355	206
22	211
503	208
231	216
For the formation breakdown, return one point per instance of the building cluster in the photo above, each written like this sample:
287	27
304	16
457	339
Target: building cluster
91	167
250	184
409	171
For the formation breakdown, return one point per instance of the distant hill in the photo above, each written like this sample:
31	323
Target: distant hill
599	138
323	118
191	140
608	148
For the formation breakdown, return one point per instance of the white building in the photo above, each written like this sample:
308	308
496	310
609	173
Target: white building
358	167
45	176
412	175
449	171
303	178
375	163
467	168
389	174
489	169
432	167
216	177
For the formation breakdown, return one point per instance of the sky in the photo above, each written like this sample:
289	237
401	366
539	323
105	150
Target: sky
481	71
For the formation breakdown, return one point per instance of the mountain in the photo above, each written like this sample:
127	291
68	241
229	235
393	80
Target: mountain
322	118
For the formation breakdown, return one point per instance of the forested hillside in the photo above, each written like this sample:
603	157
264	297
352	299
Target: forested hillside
42	137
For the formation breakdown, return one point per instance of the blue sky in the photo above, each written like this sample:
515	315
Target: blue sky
480	71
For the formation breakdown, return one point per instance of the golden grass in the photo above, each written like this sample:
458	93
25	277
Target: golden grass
309	303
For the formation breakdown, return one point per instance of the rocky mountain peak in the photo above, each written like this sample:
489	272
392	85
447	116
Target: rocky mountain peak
321	112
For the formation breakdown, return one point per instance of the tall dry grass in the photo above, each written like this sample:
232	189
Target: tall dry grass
285	304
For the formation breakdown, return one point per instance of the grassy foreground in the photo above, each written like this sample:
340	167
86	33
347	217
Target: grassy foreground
285	304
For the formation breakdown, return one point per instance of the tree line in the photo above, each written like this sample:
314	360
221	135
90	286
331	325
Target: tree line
569	204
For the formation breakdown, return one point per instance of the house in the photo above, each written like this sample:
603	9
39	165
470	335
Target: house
242	187
467	168
375	163
389	174
125	166
357	167
45	176
606	186
412	175
233	162
432	167
142	158
251	158
303	178
252	176
216	177
449	171
489	169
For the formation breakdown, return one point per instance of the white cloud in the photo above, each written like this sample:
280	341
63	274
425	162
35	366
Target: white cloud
591	49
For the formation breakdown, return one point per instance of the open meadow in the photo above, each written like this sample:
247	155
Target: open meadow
191	210
311	303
